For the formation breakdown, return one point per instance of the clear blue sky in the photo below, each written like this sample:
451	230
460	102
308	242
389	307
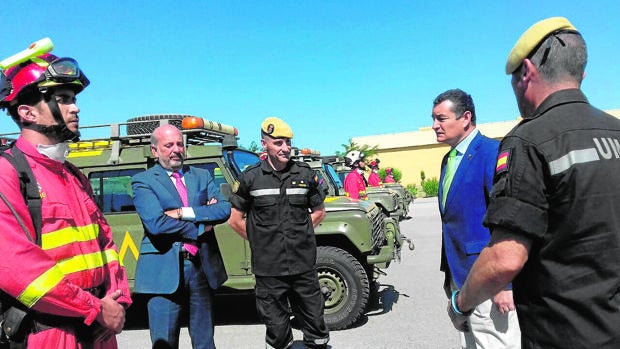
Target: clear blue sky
332	69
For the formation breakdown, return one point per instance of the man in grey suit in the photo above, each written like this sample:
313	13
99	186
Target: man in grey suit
180	263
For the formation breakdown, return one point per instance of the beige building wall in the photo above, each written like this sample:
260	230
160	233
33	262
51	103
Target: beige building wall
416	151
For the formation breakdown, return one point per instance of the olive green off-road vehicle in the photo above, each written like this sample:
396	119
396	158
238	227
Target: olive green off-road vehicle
354	241
404	196
387	200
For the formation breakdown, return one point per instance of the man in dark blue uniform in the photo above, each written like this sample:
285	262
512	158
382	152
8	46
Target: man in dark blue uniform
554	209
282	204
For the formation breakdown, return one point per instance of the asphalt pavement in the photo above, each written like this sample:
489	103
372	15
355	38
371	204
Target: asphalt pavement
410	311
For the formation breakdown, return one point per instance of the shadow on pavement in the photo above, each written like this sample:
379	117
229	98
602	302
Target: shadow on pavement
381	302
240	309
384	300
300	345
237	309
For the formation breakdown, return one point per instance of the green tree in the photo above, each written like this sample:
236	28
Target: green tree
254	147
397	174
365	149
431	187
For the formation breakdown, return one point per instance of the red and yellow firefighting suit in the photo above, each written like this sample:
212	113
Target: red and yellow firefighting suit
374	180
76	254
354	185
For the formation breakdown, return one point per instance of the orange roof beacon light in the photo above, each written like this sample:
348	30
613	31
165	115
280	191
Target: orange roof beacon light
308	151
195	122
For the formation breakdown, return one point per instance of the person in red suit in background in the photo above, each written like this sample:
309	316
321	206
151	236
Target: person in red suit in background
354	182
389	176
373	179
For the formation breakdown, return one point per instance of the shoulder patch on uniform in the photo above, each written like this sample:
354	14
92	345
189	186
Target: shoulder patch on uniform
503	161
253	166
235	187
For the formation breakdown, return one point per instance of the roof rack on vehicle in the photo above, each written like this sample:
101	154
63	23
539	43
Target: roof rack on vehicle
305	154
137	131
327	159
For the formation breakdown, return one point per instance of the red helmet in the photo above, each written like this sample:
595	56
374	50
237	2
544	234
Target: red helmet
45	71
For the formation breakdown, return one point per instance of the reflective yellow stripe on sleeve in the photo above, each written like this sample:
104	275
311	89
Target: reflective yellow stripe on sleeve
111	256
69	235
40	286
81	262
46	281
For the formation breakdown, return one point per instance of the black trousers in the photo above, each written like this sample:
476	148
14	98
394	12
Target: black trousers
273	294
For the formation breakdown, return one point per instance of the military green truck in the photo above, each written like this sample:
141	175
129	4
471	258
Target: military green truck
404	196
387	200
355	240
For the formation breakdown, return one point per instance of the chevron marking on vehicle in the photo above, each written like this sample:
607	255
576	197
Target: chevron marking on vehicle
128	244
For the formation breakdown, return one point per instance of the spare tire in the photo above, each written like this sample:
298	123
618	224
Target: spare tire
148	123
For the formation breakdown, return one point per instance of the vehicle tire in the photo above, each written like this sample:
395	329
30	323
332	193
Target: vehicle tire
345	286
148	123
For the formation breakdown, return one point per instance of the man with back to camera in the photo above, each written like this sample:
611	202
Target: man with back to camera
66	274
180	262
466	182
553	212
283	204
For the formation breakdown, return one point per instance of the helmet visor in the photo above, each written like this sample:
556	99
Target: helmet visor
65	70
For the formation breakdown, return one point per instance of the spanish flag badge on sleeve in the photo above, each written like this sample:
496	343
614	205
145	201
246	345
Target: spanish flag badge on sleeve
502	161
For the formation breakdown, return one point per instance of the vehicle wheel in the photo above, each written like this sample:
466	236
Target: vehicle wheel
148	123
374	298
344	284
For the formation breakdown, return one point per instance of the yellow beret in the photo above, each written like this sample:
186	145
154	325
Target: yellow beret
276	128
532	37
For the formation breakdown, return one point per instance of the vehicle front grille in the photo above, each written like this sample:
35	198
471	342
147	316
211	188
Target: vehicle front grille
378	236
395	200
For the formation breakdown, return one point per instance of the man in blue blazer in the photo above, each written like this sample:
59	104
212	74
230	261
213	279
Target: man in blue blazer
463	197
180	263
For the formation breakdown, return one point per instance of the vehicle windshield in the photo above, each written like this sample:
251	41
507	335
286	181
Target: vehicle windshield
245	158
334	176
241	159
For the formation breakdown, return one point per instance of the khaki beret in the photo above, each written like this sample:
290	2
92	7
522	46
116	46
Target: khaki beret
532	37
276	128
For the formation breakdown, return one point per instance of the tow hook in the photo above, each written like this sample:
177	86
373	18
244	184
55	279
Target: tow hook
411	244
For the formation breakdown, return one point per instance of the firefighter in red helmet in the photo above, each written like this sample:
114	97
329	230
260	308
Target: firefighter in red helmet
70	280
373	179
389	175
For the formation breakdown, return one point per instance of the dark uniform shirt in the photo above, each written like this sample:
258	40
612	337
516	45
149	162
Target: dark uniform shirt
278	222
557	185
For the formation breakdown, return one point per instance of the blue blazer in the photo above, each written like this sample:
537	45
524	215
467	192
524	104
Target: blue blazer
464	236
159	266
